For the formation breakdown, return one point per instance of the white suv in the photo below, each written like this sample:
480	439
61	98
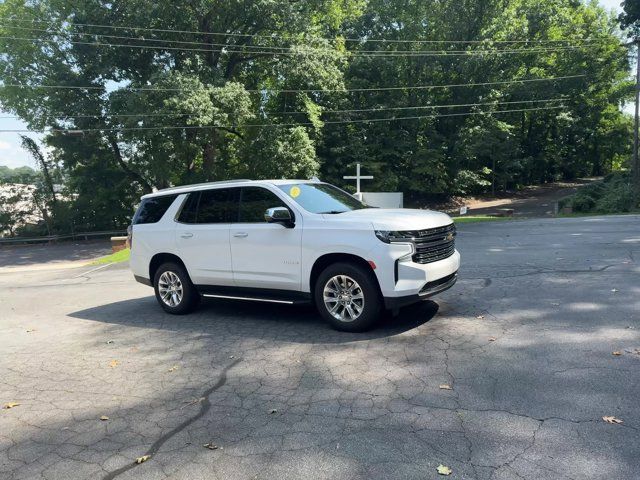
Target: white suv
290	241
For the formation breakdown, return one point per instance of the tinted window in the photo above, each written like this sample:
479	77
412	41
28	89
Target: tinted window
254	202
152	209
190	208
321	197
218	206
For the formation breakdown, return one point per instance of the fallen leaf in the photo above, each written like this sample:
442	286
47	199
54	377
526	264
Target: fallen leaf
492	339
210	446
480	317
9	405
173	369
114	363
273	410
555	304
444	470
104	418
230	356
444	386
616	353
614	290
29	330
612	420
108	342
142	459
194	401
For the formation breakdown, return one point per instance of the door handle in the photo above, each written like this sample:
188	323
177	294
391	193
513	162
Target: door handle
241	234
187	235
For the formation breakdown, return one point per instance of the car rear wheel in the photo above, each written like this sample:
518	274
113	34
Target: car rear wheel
347	296
174	291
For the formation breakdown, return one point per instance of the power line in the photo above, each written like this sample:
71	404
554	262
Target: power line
274	48
379	109
241	49
275	36
301	124
304	90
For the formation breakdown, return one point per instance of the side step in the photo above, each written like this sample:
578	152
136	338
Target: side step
287	297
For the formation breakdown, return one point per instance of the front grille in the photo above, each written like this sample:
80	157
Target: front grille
432	244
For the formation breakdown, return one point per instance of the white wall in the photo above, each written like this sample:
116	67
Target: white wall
383	199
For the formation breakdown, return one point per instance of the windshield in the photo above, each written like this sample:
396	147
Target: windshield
321	197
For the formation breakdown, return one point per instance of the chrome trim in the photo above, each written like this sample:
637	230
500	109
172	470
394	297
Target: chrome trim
251	299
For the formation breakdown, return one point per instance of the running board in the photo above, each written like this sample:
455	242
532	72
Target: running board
285	297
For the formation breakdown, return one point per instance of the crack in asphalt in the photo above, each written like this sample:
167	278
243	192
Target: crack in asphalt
205	405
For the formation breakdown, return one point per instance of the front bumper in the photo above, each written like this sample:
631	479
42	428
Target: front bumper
429	290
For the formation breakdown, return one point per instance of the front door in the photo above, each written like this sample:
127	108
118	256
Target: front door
202	235
264	255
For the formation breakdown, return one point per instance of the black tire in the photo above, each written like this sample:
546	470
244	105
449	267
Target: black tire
190	296
366	280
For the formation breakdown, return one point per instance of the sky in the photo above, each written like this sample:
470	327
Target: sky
12	155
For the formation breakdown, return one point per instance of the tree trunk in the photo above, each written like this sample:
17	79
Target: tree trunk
130	172
209	155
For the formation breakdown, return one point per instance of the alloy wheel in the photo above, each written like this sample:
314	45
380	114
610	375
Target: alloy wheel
343	298
170	289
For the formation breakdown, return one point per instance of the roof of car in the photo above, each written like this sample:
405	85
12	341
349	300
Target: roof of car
236	183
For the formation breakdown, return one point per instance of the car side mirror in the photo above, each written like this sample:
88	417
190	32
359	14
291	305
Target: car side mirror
279	215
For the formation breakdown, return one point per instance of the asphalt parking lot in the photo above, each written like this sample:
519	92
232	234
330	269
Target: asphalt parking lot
525	341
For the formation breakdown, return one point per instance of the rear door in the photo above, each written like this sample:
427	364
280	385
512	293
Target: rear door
202	235
265	255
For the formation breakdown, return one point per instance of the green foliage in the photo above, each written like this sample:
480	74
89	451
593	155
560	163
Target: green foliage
17	175
208	96
630	17
614	194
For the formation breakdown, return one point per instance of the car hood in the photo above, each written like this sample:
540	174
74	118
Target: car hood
395	218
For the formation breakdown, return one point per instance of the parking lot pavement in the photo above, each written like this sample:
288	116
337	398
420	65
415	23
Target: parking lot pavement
525	342
21	257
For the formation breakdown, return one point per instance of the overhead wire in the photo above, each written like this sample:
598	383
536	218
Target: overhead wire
275	35
260	49
270	125
361	110
225	48
300	90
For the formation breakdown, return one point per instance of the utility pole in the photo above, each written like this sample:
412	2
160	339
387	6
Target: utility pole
635	166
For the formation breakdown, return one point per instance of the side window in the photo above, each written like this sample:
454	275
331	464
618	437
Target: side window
254	202
190	208
151	210
218	206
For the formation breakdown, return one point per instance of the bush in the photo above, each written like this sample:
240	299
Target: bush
614	194
616	199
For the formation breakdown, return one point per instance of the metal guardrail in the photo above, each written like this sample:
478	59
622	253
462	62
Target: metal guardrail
55	238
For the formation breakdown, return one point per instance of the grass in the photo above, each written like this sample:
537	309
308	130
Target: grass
478	218
121	256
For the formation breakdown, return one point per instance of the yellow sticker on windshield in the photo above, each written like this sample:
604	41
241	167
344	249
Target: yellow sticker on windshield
294	192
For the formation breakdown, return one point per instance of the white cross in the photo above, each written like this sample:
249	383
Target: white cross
358	177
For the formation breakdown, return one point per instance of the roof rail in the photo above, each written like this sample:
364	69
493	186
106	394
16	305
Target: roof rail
179	187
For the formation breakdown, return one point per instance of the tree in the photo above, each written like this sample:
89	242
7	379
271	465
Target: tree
630	17
266	89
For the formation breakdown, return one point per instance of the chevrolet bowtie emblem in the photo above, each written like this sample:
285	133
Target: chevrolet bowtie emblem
449	237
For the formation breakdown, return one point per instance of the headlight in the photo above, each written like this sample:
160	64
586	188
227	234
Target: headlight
387	236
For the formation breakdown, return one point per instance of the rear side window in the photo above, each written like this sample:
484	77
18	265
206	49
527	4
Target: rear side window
211	206
189	210
255	201
218	206
151	210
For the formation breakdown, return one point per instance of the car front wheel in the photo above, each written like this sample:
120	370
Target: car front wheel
174	291
347	296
